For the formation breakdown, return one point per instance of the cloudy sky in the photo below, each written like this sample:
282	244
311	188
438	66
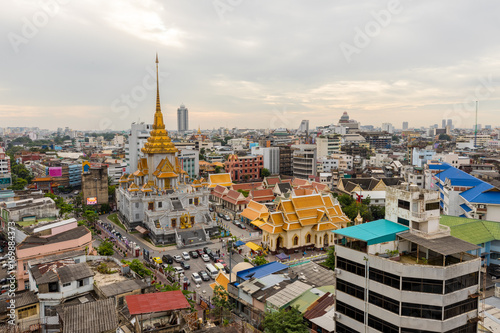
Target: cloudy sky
248	63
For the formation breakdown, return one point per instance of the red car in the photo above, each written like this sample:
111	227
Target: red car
200	252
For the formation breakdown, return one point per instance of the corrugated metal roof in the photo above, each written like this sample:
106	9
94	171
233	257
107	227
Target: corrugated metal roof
374	232
288	294
261	271
443	245
157	302
91	317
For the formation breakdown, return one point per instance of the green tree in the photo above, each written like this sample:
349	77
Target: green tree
18	184
245	193
284	321
345	200
222	304
90	216
259	260
330	259
217	169
138	267
105	248
265	173
444	137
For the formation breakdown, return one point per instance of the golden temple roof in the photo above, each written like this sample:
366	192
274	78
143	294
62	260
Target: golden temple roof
158	142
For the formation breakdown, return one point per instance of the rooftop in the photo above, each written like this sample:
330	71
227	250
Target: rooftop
33	241
374	232
445	246
288	294
91	317
114	289
261	271
157	302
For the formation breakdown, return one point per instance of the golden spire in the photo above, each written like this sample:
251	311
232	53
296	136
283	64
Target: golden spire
199	131
158	141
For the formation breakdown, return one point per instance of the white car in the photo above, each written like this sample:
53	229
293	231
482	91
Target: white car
196	278
177	258
178	270
185	256
205	257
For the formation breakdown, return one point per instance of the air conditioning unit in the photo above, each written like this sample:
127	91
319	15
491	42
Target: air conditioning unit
337	315
337	271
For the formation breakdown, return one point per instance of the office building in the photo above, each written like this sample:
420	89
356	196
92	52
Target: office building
449	123
244	168
182	119
138	135
271	157
405	125
395	278
285	156
387	127
304	161
443	123
328	144
304	127
190	162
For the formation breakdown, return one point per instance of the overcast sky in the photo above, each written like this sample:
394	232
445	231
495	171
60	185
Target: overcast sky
247	63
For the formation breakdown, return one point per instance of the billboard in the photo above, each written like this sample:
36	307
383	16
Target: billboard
55	172
92	201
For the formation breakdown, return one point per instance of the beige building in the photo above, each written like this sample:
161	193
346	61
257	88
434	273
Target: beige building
299	223
95	185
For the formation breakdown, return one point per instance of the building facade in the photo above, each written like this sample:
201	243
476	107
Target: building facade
95	185
271	157
182	119
190	162
5	173
244	168
137	136
327	145
304	159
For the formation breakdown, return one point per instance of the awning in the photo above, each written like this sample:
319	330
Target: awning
142	230
257	222
239	243
282	256
253	246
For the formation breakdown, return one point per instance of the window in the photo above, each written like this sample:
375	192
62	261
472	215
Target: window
82	282
384	277
53	287
50	311
136	216
467	328
151	205
196	201
350	266
308	238
403	221
432	205
461	282
174	223
459	308
423	285
295	240
382	325
422	311
350	311
67	284
190	201
350	289
403	204
27	312
136	205
384	302
160	204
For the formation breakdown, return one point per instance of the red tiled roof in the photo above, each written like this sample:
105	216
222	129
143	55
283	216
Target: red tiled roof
247	186
157	302
272	180
262	195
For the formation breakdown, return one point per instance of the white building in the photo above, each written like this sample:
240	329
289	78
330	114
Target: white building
270	157
328	144
380	160
5	174
392	278
116	169
190	162
387	127
341	162
182	119
419	157
453	159
138	135
304	161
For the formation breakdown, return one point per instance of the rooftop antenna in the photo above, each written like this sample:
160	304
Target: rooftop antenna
475	130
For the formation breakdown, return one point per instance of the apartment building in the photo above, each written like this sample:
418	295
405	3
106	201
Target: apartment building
244	168
304	159
5	174
328	144
138	135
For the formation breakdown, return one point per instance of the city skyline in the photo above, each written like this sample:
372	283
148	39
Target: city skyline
248	64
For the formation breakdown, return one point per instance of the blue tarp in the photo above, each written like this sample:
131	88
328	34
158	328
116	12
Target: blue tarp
282	256
239	243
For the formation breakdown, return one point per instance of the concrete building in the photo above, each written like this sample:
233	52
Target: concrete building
328	144
95	185
351	124
5	174
413	175
190	162
341	162
420	157
285	163
405	125
116	169
387	127
28	209
138	135
304	127
304	159
271	158
182	119
244	168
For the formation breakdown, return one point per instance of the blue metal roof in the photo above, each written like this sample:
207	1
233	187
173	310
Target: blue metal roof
374	232
261	271
458	177
442	166
465	207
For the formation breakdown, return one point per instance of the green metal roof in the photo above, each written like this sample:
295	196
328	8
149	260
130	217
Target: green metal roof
306	299
472	230
374	232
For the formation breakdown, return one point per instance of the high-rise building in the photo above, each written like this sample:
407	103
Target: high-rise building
182	119
387	127
5	174
328	144
443	123
449	123
95	185
304	161
410	276
138	135
405	125
285	156
271	158
304	127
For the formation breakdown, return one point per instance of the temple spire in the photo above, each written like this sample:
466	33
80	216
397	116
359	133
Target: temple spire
158	121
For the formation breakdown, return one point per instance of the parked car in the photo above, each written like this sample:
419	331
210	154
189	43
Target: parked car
157	260
194	254
205	257
200	252
177	258
227	218
236	223
206	250
196	278
185	256
204	276
241	226
178	270
214	257
220	215
168	259
210	209
185	265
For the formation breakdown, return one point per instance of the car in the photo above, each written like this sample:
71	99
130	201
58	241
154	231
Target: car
206	250
227	218
205	257
5	265
194	254
200	252
220	215
157	260
185	256
177	258
3	281
168	259
178	270
185	280
210	209
196	278
204	276
215	258
226	269
241	226
185	265
237	223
